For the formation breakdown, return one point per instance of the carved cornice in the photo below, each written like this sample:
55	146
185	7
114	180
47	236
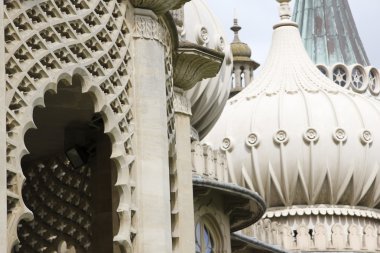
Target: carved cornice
181	104
194	63
159	6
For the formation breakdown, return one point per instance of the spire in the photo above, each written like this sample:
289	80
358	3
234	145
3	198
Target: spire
329	32
236	28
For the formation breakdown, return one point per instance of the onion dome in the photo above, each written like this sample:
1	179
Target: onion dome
240	50
209	96
296	137
329	32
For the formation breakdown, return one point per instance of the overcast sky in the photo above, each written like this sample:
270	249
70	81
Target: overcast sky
258	16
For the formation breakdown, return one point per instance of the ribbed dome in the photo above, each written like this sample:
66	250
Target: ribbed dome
208	97
297	138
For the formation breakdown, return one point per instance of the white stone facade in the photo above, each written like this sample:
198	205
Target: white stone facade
97	148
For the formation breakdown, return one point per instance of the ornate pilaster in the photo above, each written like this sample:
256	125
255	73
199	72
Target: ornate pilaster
159	6
181	178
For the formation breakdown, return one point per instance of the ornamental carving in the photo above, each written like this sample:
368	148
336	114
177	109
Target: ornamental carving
340	135
281	137
226	144
311	135
147	27
366	137
252	140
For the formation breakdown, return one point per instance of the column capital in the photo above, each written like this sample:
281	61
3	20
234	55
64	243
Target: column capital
181	103
147	26
159	6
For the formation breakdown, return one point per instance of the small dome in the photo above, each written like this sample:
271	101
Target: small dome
240	49
297	138
209	96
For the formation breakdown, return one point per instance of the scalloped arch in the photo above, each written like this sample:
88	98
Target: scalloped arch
49	42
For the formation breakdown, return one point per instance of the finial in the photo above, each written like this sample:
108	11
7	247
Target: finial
236	28
285	12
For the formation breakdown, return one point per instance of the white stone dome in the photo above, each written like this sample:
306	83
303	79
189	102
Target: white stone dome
209	96
297	138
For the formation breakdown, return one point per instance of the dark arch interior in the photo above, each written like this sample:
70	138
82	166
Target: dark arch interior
69	177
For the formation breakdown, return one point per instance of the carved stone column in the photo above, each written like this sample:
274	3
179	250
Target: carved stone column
3	173
183	172
153	189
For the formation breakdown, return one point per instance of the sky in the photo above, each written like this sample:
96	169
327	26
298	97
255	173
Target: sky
258	16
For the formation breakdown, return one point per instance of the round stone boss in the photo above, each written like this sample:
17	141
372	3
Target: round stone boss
252	140
226	144
311	135
280	136
366	137
340	135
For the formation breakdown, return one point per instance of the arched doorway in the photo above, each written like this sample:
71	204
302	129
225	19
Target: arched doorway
69	177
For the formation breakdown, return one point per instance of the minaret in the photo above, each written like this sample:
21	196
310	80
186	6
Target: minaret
329	32
242	73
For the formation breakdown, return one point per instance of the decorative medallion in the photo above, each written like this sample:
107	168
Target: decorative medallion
366	137
311	135
202	37
281	137
226	144
220	44
252	140
340	135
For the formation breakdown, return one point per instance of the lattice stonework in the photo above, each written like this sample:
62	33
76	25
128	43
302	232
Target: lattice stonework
51	40
61	198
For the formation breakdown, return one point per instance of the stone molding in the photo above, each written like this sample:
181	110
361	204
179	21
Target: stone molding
159	6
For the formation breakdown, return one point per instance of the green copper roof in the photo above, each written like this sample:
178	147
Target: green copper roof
329	32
